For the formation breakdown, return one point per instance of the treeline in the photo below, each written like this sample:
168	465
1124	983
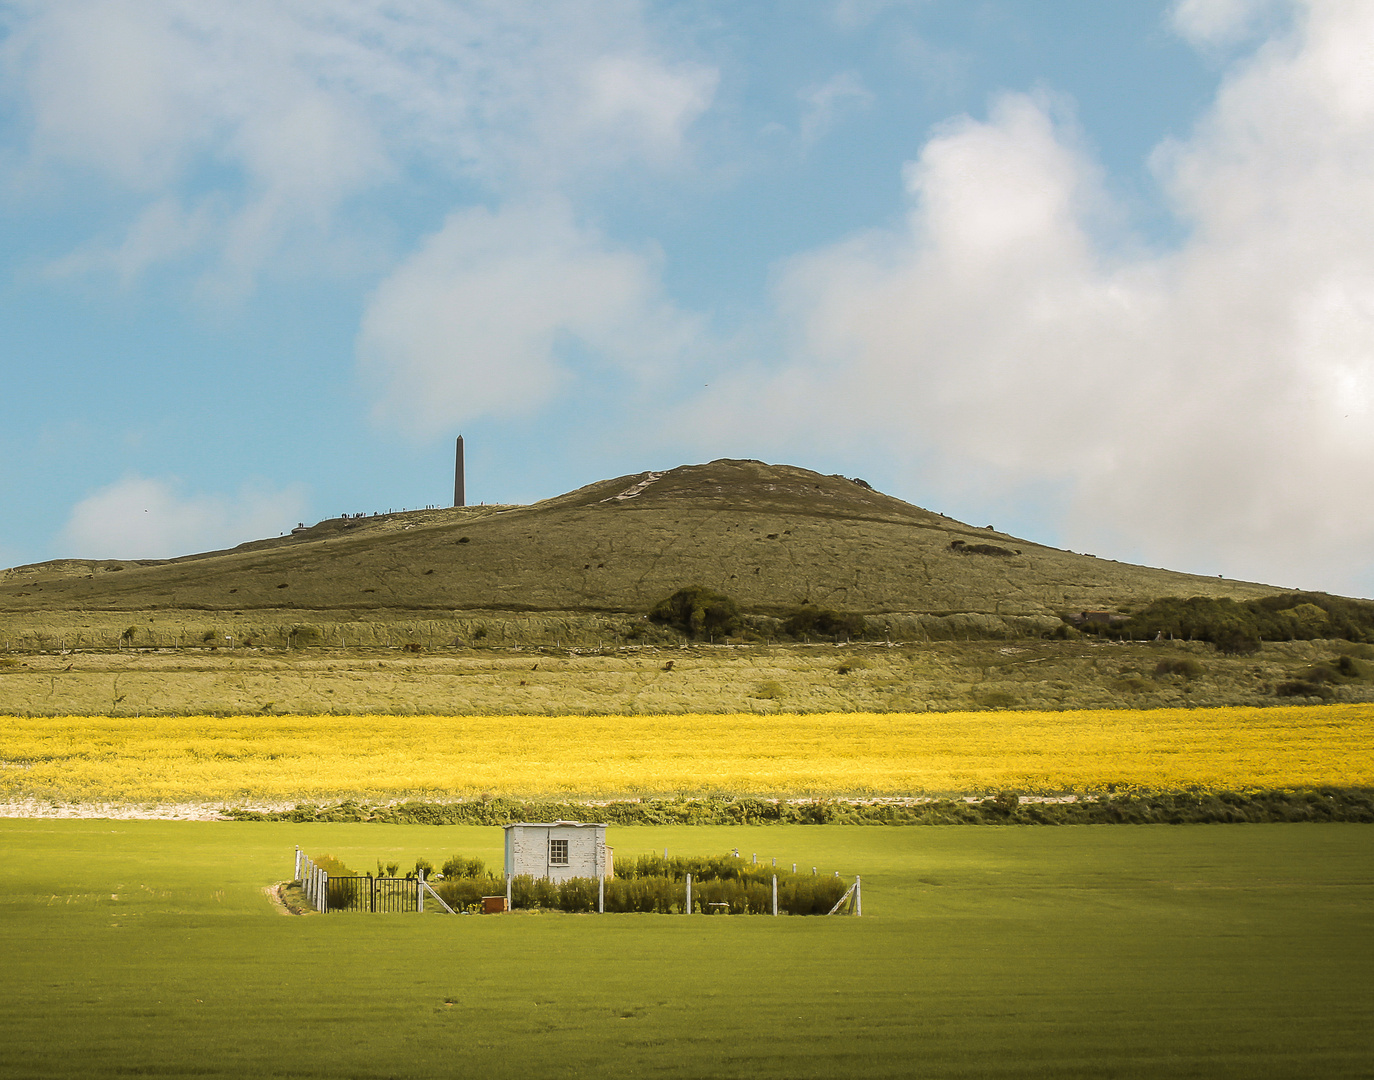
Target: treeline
1238	626
1173	808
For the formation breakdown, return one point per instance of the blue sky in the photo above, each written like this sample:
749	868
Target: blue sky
1100	274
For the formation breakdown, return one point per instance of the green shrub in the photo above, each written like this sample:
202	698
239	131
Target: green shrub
1238	627
463	866
1302	688
995	699
1236	641
1183	665
305	636
465	893
698	612
332	866
981	549
806	622
769	690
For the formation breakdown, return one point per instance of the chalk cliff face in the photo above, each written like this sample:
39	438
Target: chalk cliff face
770	536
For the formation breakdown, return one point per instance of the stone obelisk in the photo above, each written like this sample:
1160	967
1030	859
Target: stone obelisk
459	494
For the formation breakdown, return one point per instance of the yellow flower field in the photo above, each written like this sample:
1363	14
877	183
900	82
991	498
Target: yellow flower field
313	758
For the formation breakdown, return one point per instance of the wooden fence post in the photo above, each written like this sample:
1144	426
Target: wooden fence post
420	892
689	895
600	895
858	896
509	905
775	894
324	892
298	864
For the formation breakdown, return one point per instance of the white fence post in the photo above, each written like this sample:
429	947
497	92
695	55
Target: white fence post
324	892
509	905
689	894
775	894
297	876
420	892
601	895
858	896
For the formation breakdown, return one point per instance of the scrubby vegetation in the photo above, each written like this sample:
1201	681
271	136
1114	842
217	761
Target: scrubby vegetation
1239	626
1004	808
725	884
807	622
698	612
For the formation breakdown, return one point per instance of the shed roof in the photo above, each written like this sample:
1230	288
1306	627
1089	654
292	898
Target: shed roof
555	825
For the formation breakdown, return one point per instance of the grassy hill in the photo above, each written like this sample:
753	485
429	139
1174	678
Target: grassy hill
587	566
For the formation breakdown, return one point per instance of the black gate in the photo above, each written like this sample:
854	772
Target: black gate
374	894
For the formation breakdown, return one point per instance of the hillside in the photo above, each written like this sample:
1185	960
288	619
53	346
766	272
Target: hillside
590	563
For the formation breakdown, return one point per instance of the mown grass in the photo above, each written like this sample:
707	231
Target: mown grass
234	760
143	948
939	676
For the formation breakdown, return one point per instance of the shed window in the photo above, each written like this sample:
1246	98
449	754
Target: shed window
558	852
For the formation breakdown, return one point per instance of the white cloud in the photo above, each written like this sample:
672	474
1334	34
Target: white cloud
824	104
478	321
1222	22
263	118
144	518
1210	407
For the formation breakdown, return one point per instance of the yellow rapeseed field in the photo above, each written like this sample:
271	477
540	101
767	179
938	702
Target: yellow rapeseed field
283	758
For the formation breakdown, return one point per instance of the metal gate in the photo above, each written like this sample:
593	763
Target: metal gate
374	894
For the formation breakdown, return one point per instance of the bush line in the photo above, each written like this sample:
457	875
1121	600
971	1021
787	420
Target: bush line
1175	808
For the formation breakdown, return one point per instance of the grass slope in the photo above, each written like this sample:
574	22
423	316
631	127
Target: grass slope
770	536
937	676
147	948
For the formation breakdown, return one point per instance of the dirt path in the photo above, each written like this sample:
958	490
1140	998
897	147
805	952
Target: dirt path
273	893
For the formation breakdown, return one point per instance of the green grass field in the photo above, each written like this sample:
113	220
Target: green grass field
148	948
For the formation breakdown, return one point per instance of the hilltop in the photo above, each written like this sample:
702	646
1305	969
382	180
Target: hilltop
589	564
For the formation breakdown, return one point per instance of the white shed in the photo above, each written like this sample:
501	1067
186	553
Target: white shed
558	850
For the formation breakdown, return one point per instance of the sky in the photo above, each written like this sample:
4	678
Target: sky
1101	275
